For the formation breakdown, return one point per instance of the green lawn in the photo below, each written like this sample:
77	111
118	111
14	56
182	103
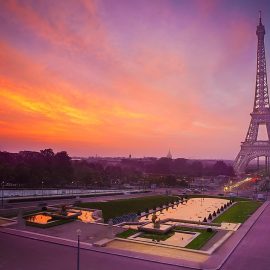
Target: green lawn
157	237
126	233
200	240
196	243
117	208
153	236
239	212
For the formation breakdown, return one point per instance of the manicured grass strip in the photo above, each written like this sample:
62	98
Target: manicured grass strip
200	240
239	212
157	237
188	229
126	233
117	208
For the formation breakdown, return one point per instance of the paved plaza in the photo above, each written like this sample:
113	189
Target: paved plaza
195	209
252	252
90	232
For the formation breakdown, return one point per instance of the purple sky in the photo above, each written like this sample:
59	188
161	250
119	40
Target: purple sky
128	77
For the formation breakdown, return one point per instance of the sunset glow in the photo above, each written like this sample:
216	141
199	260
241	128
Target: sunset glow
128	77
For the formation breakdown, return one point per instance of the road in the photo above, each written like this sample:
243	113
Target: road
84	199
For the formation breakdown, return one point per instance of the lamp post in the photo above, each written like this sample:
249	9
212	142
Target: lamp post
42	182
78	249
2	185
201	190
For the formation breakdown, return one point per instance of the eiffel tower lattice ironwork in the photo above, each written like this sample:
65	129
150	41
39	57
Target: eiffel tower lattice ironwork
253	148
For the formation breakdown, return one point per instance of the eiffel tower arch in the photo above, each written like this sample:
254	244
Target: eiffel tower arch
253	148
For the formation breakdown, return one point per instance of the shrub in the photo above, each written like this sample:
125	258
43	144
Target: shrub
210	216
209	230
204	220
214	214
218	211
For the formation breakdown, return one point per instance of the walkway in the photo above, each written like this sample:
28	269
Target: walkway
23	253
19	253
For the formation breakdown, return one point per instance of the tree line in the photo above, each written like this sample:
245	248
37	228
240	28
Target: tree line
31	169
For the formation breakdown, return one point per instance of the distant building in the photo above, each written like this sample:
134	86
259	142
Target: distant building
169	155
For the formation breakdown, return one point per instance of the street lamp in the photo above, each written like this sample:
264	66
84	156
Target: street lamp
42	182
2	185
78	249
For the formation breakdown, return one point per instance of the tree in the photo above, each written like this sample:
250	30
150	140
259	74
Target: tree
180	166
221	168
170	181
196	168
62	168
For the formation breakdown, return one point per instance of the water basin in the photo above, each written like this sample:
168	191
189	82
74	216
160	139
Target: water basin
86	215
41	218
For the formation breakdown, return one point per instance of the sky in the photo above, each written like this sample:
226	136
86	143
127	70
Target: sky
113	78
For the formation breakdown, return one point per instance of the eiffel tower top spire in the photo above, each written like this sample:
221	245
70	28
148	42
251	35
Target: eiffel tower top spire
260	26
261	101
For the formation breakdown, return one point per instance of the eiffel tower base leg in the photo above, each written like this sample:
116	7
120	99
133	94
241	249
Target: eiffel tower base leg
244	157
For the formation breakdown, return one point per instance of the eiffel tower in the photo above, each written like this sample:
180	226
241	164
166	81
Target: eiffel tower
253	148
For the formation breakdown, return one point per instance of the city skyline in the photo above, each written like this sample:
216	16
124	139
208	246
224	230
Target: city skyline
95	77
